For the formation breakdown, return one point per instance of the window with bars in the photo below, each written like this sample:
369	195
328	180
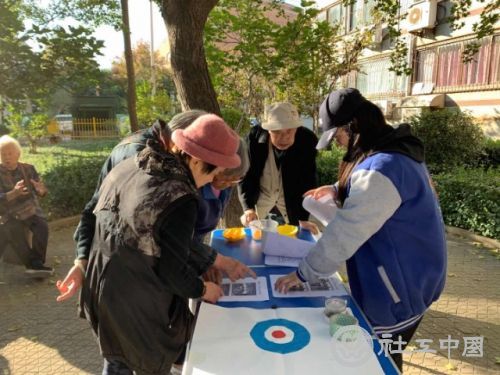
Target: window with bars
367	11
374	78
443	66
321	16
355	14
336	15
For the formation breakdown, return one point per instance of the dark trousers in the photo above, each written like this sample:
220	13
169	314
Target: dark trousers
406	335
13	233
40	229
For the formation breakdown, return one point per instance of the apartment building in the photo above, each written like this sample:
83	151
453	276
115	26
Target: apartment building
439	78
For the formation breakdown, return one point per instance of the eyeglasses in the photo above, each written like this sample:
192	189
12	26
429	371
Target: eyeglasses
223	180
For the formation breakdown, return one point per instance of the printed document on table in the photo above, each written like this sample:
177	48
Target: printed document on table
243	290
273	260
284	246
328	287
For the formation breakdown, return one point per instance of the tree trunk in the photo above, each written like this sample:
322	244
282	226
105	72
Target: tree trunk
233	211
185	21
131	94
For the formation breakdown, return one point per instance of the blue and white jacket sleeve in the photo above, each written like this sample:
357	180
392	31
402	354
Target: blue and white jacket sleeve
372	200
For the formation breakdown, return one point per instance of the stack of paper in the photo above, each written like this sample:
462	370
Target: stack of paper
323	209
283	250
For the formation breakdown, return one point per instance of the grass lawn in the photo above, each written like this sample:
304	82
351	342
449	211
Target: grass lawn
50	155
70	170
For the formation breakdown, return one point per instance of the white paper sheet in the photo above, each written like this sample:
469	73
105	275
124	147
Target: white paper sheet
247	289
278	245
323	209
323	288
273	260
222	345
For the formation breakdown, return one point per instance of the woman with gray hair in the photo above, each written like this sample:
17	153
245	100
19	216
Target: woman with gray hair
20	211
160	132
216	195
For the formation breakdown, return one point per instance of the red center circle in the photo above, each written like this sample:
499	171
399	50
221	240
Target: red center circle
278	334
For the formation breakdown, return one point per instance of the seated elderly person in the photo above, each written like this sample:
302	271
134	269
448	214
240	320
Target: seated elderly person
282	168
20	211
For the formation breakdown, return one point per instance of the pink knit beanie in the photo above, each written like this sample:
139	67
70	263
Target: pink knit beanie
209	139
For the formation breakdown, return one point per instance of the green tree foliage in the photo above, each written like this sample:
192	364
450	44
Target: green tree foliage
240	45
312	57
149	106
55	56
451	138
32	128
257	52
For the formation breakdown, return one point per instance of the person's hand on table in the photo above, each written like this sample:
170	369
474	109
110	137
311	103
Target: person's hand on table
320	192
232	268
248	216
213	275
212	292
72	282
284	283
310	226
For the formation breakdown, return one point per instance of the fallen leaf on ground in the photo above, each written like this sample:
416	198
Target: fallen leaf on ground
451	275
14	328
451	367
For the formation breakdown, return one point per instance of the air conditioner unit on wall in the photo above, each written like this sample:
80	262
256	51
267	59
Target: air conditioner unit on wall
421	15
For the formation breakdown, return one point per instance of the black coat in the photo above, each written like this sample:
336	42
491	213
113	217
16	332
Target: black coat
139	275
298	171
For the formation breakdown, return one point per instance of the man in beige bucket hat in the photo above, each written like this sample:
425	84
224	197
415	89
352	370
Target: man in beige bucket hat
282	167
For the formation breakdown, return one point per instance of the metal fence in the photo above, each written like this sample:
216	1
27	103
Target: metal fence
85	128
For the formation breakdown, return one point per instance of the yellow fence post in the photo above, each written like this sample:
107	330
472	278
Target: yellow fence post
94	127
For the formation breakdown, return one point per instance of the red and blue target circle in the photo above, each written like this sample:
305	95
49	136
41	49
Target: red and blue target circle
280	336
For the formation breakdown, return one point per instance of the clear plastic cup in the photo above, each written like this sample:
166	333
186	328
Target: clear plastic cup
335	306
257	226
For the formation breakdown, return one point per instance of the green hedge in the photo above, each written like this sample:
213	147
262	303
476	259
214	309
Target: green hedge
327	163
70	171
470	199
452	138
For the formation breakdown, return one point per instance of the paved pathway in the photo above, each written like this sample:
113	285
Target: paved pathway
40	336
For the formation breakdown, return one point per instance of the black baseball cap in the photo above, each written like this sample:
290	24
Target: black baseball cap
337	110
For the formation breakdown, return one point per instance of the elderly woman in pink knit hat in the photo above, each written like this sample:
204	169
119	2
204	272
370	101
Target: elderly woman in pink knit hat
140	275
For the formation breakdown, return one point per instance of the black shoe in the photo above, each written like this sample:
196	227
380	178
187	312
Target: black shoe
38	269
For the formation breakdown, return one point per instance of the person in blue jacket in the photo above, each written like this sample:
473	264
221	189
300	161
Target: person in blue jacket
216	194
389	226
